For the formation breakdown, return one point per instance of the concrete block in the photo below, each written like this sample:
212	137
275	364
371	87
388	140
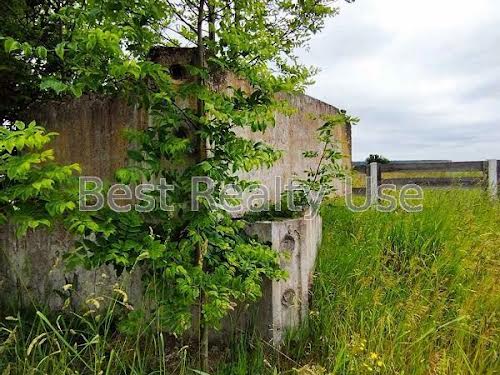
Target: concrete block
33	275
285	304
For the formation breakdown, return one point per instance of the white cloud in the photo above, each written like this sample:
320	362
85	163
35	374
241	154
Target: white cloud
423	76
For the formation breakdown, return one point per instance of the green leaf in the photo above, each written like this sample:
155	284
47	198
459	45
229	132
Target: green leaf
135	155
76	90
27	49
45	183
205	166
20	125
53	84
91	42
41	52
143	255
11	45
60	50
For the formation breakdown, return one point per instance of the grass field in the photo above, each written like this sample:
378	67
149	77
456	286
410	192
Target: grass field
400	293
394	293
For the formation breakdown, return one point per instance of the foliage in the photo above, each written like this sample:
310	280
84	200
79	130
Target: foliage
375	158
28	23
35	190
85	344
417	292
320	179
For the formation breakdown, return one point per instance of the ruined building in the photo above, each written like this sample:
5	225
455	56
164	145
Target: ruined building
90	133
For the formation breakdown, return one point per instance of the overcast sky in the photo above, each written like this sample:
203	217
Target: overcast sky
423	76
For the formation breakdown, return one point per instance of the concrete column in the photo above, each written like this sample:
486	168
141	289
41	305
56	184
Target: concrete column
493	178
373	188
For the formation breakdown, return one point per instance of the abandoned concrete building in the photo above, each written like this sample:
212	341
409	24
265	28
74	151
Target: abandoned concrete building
90	133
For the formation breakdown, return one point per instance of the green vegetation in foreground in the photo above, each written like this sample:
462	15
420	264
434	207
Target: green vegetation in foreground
394	293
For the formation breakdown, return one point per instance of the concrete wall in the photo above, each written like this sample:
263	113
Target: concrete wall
32	273
91	128
90	131
294	135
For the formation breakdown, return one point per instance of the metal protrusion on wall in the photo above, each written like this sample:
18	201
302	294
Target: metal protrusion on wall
289	298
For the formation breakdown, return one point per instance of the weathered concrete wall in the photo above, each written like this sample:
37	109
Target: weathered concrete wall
90	131
32	273
284	304
293	135
91	128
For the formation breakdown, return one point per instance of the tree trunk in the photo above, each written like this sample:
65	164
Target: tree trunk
211	21
203	340
203	328
201	63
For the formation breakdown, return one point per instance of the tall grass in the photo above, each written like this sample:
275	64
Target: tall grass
394	293
85	344
402	293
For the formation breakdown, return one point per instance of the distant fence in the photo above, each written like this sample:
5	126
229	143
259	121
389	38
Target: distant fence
488	177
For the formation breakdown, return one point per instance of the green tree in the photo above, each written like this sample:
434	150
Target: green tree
376	158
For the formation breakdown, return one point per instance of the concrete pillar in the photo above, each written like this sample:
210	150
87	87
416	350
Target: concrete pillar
285	303
493	178
373	187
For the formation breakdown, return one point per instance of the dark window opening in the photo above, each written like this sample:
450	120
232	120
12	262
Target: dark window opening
178	72
181	132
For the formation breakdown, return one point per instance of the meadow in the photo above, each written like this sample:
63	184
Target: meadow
394	293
